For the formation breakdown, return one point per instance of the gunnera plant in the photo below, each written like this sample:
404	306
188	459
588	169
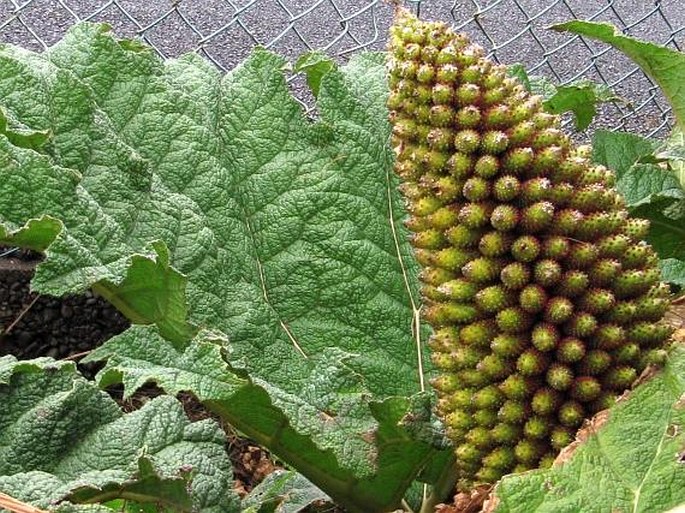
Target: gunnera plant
544	299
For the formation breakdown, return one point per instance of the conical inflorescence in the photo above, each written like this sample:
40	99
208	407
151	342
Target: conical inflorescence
544	299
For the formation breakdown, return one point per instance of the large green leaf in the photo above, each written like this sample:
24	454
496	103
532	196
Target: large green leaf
62	439
210	207
665	66
631	462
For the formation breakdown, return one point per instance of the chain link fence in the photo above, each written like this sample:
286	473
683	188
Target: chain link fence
224	31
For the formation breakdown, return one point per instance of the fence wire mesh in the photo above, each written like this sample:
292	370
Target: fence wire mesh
224	31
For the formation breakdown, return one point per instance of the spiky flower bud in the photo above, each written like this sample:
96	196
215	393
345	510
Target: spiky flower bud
595	362
533	298
620	377
544	301
487	166
597	301
506	188
566	222
522	133
504	217
559	377
508	345
561	194
537	217
604	271
636	229
547	272
485	418
573	283
517	160
468	117
518	387
526	248
627	353
570	350
532	362
545	336
585	389
450	258
583	255
478	333
561	437
476	189
460	164
493	298
571	414
467	141
506	434
513	320
581	325
609	336
428	239
529	451
558	310
458	289
546	401
537	427
494	142
513	412
482	270
488	398
462	236
442	314
494	244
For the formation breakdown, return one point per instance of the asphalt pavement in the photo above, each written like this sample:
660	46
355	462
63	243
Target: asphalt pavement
513	30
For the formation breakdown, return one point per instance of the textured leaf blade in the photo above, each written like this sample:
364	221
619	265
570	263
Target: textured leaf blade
619	150
283	491
141	355
63	440
245	219
647	183
628	463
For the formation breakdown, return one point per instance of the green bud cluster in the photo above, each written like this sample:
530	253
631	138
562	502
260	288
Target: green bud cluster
544	299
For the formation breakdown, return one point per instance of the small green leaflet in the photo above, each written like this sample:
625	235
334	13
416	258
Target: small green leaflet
315	65
580	97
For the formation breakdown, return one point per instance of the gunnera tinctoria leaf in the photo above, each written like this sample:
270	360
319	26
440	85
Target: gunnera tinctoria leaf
545	301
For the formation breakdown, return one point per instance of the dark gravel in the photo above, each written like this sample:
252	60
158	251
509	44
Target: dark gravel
33	325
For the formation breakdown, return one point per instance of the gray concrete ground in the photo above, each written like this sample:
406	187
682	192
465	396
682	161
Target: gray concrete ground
514	30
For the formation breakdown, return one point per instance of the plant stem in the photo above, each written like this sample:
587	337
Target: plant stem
441	488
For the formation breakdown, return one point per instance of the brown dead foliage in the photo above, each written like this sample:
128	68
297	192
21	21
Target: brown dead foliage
466	502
